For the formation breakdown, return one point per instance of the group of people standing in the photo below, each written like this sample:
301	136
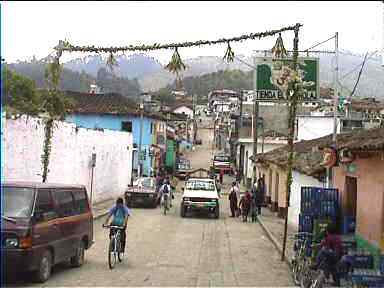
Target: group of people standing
248	204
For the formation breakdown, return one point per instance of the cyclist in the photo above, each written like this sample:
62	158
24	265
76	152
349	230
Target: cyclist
330	253
166	189
120	213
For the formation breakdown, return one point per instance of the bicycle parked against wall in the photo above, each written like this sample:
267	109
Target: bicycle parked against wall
115	248
299	259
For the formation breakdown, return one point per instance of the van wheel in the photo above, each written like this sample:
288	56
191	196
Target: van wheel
45	267
78	259
182	210
217	212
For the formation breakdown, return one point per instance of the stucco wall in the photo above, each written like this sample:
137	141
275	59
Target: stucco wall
70	158
184	110
370	197
114	122
314	127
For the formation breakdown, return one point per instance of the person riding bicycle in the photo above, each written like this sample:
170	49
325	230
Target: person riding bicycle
120	213
330	253
166	189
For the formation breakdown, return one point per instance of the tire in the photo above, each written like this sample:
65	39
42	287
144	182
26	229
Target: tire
295	273
217	212
119	253
45	267
78	259
111	254
182	210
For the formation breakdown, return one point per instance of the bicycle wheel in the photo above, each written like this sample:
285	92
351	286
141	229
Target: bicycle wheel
165	204
119	250
111	253
295	273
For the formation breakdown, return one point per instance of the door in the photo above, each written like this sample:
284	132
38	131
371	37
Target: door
350	195
46	229
64	203
276	198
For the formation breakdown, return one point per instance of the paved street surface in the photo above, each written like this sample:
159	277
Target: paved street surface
174	251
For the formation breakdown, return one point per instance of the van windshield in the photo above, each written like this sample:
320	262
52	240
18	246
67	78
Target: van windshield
17	202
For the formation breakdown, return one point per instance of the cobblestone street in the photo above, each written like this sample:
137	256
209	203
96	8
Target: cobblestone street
174	251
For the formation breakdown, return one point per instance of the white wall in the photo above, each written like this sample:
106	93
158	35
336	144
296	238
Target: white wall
249	147
70	156
299	180
309	128
184	110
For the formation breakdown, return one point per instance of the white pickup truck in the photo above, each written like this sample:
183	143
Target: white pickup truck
200	194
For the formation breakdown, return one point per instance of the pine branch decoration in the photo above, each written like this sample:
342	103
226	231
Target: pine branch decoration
176	65
229	54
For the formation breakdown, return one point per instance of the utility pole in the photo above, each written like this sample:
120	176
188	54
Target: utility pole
140	140
335	102
292	97
254	124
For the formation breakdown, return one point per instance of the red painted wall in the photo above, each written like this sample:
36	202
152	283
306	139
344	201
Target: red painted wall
370	196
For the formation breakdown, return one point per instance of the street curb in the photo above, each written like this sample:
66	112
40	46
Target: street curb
273	240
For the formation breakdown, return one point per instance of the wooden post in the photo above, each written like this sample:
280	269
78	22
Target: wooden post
292	104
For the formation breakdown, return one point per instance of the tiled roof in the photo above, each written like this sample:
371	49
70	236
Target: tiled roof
308	155
110	103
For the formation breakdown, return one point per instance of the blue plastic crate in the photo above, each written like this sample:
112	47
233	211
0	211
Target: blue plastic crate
363	261
366	277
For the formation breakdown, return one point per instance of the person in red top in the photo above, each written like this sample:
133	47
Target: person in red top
245	204
330	253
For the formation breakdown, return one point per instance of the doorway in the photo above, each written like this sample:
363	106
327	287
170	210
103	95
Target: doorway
350	196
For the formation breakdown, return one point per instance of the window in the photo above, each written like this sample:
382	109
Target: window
126	126
44	209
17	201
152	128
81	203
64	200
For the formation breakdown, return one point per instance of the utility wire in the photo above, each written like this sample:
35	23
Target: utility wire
358	66
318	44
358	78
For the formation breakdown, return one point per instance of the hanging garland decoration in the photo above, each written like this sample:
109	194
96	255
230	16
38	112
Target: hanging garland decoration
174	68
229	54
66	46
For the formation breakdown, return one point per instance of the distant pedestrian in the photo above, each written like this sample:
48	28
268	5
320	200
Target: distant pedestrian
253	202
221	176
233	200
218	186
245	204
259	195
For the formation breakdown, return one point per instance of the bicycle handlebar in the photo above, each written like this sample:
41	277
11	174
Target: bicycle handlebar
112	226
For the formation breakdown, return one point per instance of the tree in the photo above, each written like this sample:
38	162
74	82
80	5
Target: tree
19	93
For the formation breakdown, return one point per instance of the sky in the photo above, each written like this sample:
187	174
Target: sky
34	28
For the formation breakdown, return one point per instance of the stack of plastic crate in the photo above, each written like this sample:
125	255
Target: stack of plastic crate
318	209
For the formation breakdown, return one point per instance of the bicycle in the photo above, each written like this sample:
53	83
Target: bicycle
299	258
343	268
165	203
114	249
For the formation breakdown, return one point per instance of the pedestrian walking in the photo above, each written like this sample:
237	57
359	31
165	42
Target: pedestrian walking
233	200
221	176
259	195
253	202
245	203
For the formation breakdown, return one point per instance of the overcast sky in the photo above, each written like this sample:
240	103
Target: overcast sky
34	28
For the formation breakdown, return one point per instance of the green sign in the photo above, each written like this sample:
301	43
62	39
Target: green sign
272	78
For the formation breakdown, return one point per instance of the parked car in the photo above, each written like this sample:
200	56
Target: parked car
44	224
143	192
200	194
183	166
222	162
